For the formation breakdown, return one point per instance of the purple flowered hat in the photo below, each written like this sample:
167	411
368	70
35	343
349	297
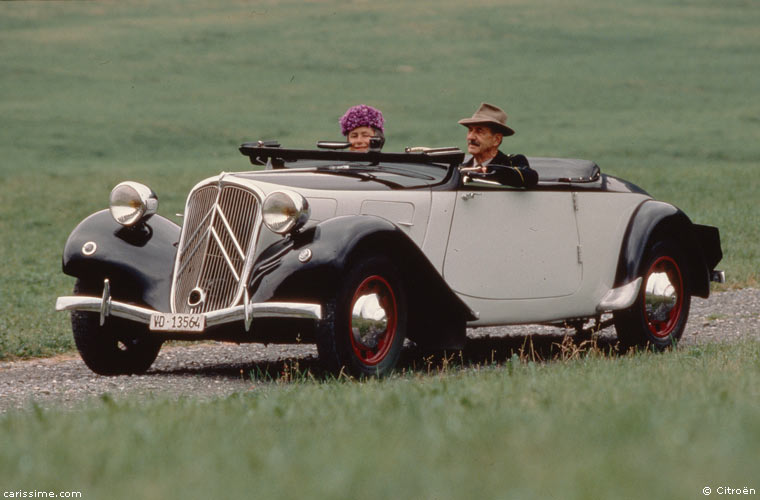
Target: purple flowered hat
361	115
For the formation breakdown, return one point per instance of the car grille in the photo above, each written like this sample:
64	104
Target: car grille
221	225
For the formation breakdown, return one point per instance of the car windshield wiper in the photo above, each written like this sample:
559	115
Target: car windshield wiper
391	170
404	173
352	172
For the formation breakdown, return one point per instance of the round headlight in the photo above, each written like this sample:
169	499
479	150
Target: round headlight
132	202
285	211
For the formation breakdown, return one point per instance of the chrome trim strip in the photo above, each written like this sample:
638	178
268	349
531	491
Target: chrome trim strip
620	297
718	276
201	224
247	311
253	244
301	310
197	245
105	302
231	232
226	256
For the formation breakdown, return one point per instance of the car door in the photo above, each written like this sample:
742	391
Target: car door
508	243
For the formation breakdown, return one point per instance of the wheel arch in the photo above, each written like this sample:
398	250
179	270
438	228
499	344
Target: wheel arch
655	220
138	261
337	244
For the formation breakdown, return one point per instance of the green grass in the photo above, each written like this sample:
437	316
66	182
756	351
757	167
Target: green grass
639	426
662	93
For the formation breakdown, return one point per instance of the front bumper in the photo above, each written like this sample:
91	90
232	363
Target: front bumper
107	307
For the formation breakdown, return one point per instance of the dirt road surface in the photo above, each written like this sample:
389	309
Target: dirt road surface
209	370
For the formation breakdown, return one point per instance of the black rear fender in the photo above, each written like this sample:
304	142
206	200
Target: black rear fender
138	261
655	220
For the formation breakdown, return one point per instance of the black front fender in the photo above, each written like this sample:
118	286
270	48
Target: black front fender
138	261
310	265
282	272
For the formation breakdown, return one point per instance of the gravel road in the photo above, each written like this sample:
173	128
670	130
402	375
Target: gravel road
208	370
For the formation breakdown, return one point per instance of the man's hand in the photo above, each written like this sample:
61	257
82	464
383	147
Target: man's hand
480	168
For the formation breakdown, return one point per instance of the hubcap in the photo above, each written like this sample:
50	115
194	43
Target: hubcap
663	296
373	320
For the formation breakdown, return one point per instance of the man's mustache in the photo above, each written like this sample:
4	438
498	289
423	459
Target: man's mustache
473	142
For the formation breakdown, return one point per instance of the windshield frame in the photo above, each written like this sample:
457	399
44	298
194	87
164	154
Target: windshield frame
433	167
394	176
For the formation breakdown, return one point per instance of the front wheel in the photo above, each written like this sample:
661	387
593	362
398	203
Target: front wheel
364	323
118	347
658	316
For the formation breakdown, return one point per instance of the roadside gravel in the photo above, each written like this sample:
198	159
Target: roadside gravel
210	370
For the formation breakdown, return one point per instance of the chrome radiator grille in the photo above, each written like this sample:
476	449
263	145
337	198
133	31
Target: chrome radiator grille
221	226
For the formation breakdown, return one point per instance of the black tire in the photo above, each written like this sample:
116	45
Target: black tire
657	318
118	347
358	345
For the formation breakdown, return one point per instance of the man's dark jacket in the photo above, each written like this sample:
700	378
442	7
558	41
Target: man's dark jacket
519	173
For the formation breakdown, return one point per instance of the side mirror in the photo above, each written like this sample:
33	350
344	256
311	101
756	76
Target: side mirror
376	143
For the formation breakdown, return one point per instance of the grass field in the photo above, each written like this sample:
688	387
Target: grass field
644	426
661	93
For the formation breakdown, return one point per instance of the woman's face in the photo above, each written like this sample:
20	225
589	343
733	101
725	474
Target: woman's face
359	138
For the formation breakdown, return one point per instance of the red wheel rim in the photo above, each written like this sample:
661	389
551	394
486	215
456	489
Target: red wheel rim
373	319
663	296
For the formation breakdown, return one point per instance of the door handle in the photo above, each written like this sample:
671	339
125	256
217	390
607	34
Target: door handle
470	195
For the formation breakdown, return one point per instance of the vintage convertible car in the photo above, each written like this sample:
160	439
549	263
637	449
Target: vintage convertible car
357	252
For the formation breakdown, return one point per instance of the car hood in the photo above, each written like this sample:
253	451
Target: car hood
334	195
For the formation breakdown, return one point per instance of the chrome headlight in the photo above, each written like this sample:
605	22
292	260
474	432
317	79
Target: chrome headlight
285	211
132	202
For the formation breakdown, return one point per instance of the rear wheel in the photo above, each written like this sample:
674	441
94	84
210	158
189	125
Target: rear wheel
118	347
364	324
658	316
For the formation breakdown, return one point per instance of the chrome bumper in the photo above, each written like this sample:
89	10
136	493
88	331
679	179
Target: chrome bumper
107	307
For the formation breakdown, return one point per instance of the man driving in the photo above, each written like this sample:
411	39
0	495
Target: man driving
486	129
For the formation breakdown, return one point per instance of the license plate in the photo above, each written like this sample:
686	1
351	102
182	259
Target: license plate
168	322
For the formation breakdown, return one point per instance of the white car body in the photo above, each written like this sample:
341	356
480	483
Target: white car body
555	260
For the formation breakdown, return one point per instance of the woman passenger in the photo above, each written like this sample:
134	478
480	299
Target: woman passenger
360	124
